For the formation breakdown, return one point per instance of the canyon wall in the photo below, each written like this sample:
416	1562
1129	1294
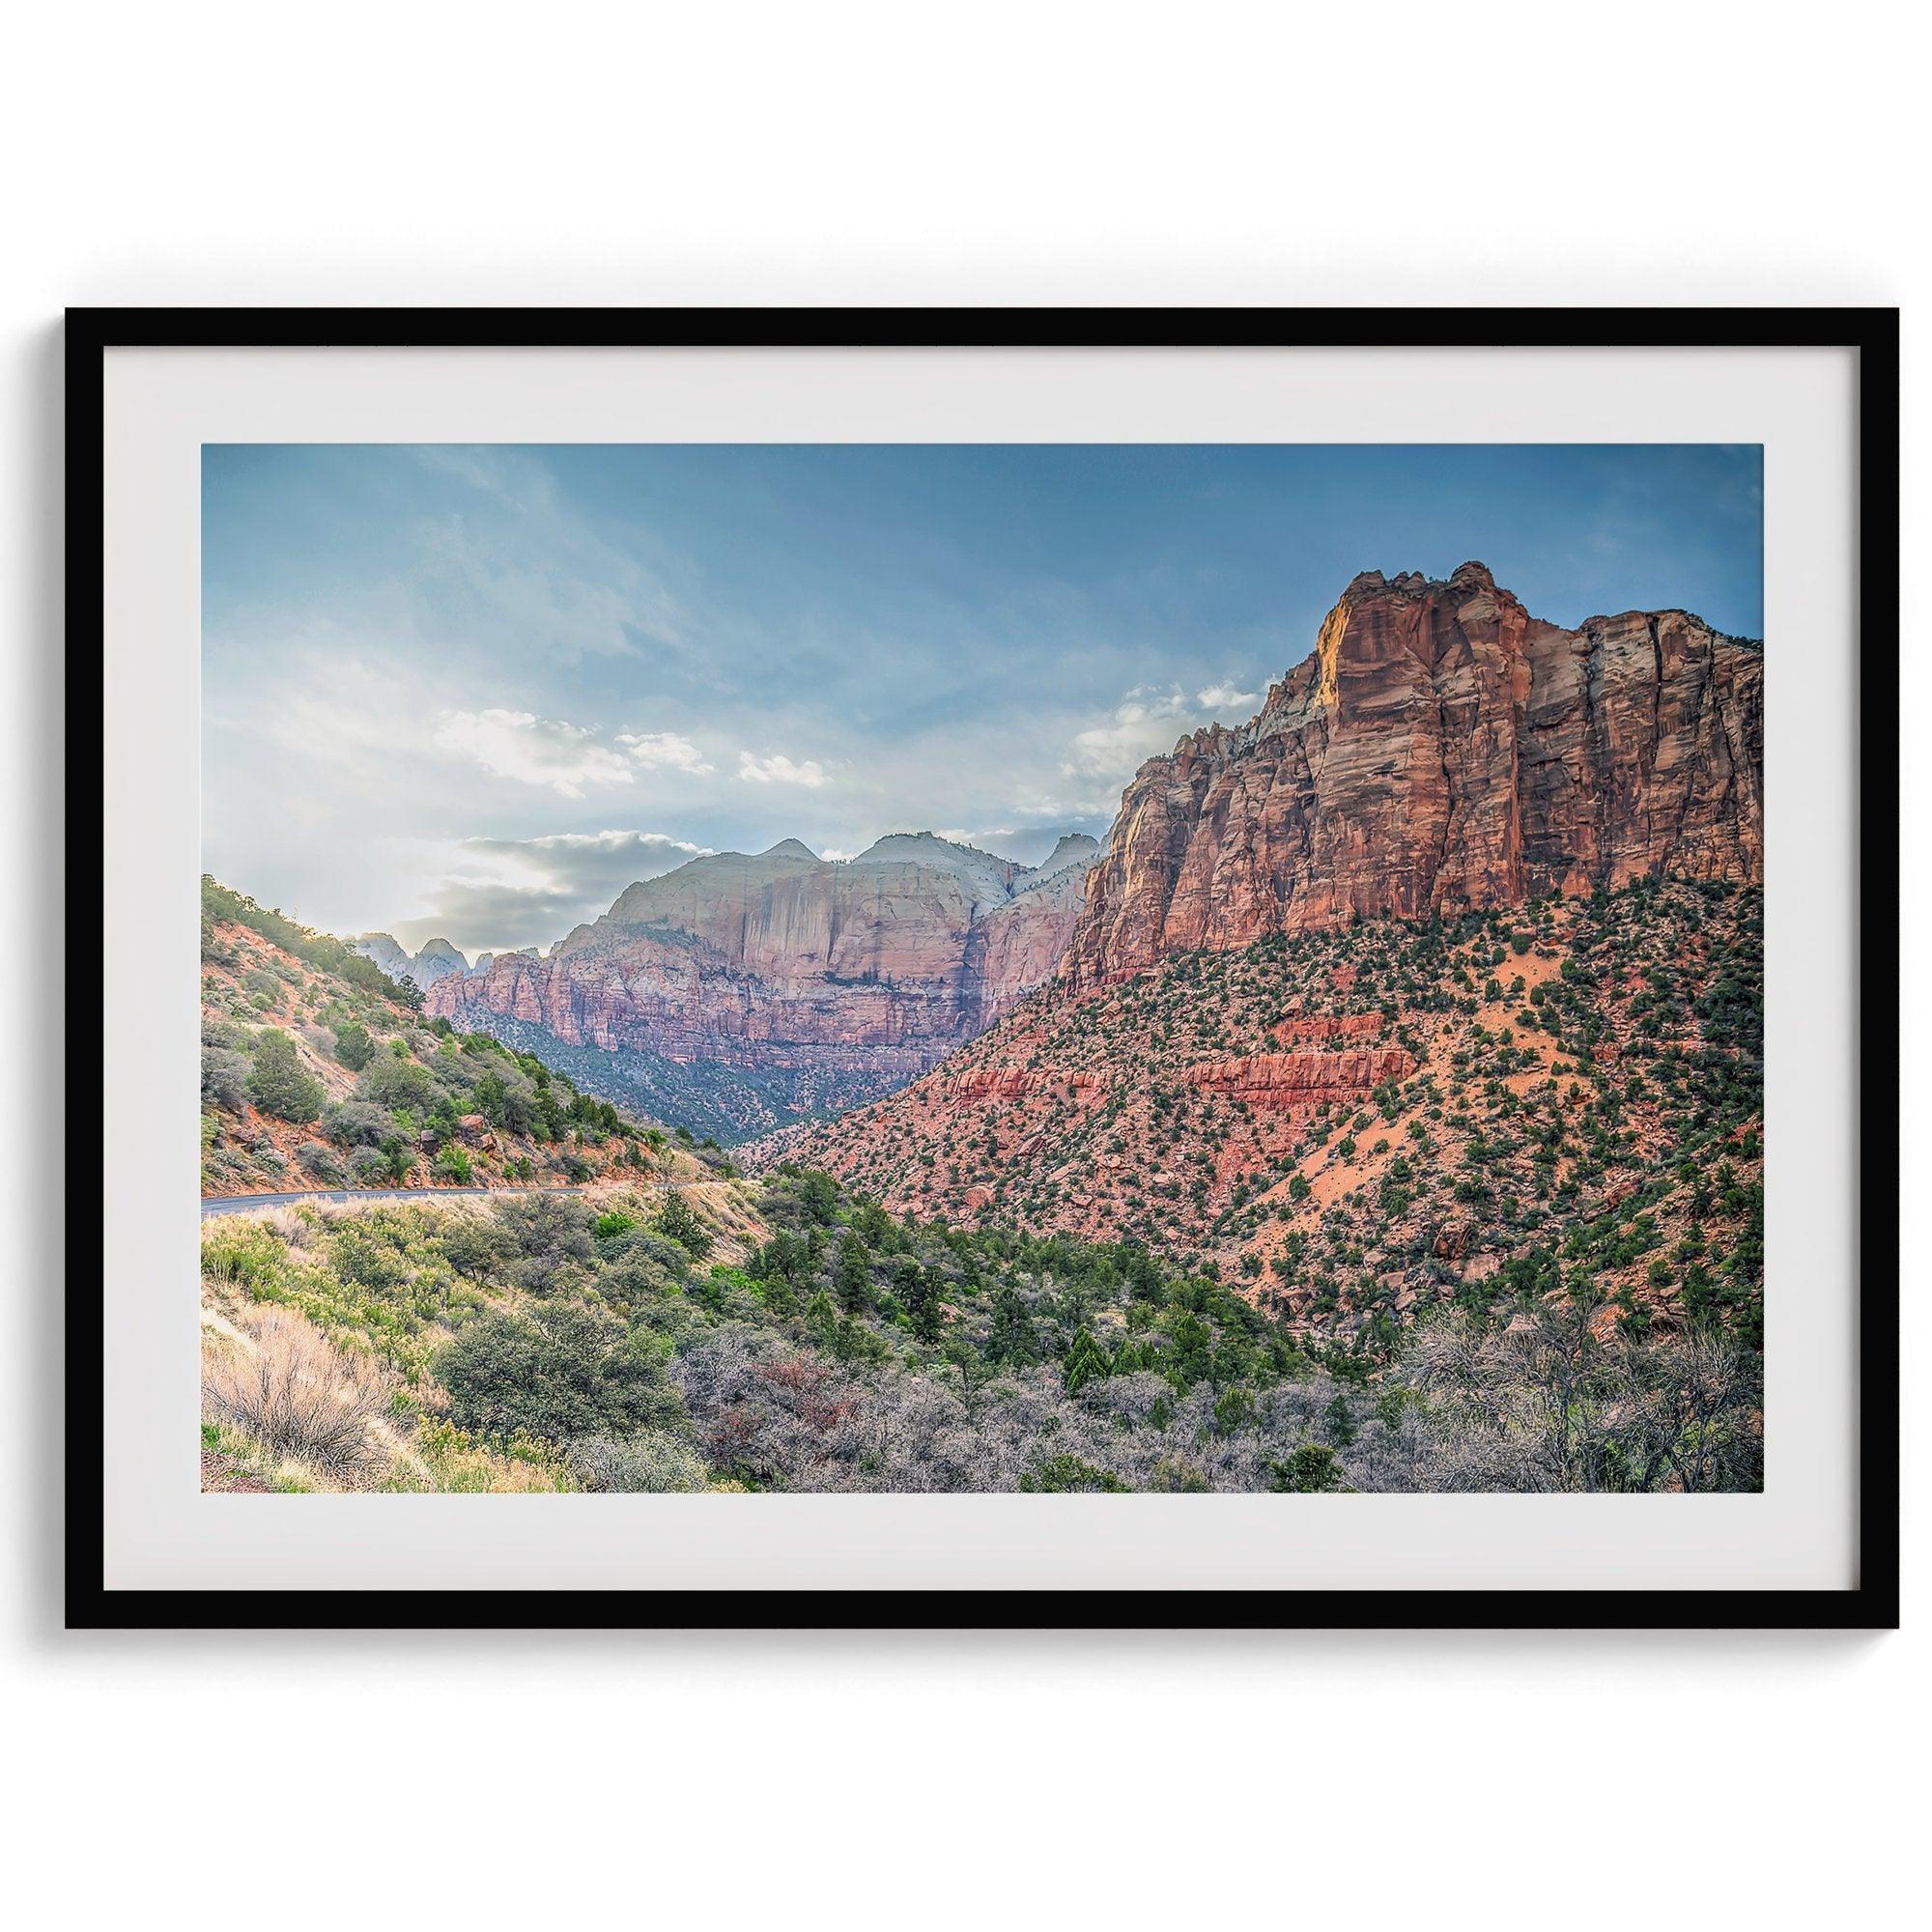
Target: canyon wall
873	969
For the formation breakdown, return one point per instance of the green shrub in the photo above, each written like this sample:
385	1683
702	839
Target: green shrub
1311	1470
651	1463
324	1163
279	1084
357	1123
562	1375
1070	1475
392	1083
242	1251
354	1047
224	1076
551	1236
476	1249
452	1164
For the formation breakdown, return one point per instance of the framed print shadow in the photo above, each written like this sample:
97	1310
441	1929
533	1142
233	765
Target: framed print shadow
1023	968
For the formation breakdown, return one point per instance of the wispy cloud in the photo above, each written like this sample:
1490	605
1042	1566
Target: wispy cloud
1144	722
660	750
778	769
534	750
529	570
1226	698
582	855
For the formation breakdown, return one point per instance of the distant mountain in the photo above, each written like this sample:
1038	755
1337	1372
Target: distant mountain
1074	849
746	990
422	969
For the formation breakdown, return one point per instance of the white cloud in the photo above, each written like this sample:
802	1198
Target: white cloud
778	769
1225	697
653	750
534	750
1148	720
1143	723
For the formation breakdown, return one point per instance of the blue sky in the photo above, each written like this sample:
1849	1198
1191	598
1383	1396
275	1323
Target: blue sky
476	692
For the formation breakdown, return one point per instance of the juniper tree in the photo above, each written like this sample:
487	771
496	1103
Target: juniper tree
854	1276
279	1084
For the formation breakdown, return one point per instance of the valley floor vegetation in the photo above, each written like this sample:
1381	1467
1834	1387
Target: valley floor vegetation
789	1335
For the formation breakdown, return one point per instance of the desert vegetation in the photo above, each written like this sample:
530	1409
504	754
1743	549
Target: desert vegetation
790	1335
1359	1127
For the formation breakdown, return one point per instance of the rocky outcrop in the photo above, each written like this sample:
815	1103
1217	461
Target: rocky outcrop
1288	1083
1327	1026
1021	1083
780	960
1441	750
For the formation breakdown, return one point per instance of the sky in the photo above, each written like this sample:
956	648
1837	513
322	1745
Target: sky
475	692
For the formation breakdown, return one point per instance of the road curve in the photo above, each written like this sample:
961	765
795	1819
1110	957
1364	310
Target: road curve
238	1204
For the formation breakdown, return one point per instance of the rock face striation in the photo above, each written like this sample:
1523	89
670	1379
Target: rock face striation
830	981
1441	750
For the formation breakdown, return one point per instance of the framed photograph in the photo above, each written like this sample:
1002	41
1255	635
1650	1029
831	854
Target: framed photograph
1026	968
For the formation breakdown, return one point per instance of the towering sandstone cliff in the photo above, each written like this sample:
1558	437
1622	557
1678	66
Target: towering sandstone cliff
1441	750
830	982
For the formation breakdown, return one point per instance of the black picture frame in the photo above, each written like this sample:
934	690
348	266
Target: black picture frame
1872	333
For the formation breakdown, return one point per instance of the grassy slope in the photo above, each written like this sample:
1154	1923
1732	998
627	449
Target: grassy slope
356	1300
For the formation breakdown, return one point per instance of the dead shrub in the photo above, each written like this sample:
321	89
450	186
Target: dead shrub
293	1393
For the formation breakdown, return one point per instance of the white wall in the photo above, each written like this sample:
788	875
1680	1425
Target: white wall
1671	153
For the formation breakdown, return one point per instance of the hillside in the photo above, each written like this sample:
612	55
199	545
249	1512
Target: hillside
318	1071
1355	1126
743	991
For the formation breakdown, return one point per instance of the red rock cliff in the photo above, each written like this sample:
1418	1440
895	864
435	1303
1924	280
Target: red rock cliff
785	961
1440	751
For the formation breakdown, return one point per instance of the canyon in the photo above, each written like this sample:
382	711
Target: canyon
1440	753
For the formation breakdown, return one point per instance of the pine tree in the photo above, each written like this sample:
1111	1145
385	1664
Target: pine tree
677	1223
1340	1421
854	1278
1084	1363
1010	1339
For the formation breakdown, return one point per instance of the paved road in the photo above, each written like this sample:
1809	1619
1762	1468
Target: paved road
236	1204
